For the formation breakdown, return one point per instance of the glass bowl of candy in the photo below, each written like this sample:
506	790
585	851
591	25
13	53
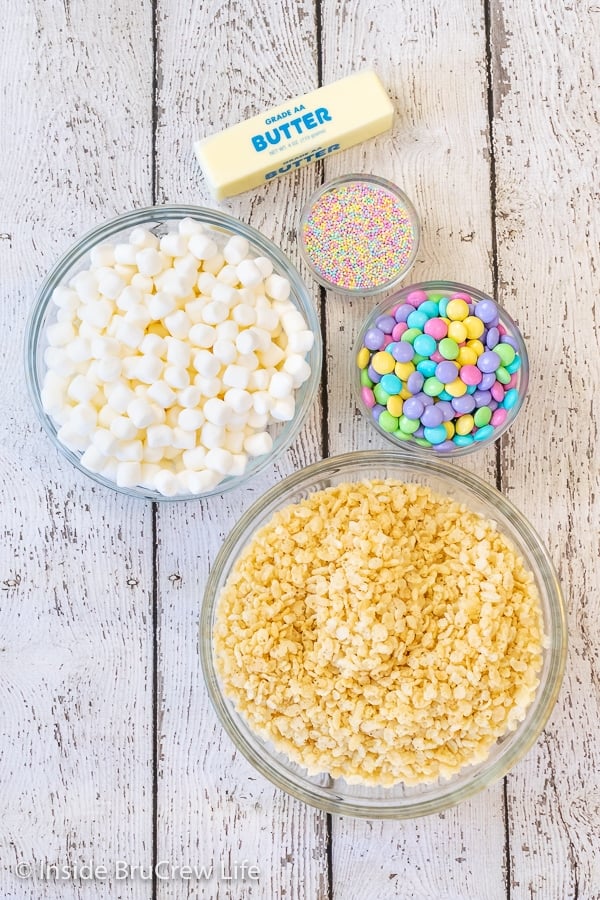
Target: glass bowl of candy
173	353
440	368
359	235
383	635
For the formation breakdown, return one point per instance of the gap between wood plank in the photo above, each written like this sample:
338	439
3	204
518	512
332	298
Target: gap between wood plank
154	193
487	17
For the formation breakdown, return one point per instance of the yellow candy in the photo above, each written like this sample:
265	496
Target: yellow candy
477	346
457	310
457	331
456	388
474	327
383	363
402	370
449	429
405	393
363	357
465	424
466	356
395	405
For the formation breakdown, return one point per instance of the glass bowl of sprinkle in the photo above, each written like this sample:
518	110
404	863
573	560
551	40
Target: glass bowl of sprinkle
440	368
359	235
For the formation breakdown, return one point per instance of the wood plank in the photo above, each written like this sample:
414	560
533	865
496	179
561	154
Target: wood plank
431	59
212	806
76	576
546	143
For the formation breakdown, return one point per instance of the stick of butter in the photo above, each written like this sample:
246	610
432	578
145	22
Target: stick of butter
295	133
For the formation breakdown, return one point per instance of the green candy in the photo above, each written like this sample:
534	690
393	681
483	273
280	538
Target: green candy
482	416
448	348
387	421
380	395
410	334
506	353
408	426
402	435
433	386
365	381
422	442
503	375
417	359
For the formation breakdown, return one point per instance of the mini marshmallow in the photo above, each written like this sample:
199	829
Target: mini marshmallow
65	298
125	254
92	459
190	396
216	411
98	314
177	377
281	385
296	366
212	436
271	357
141	413
224	293
141	238
162	394
262	338
102	347
111	285
166	483
238	401
262	402
202	246
257	421
283	410
206	283
276	287
194	310
138	315
152	454
143	283
248	361
227	331
259	380
182	439
83	419
109	369
120	398
214	264
300	342
194	459
159	436
129	451
236	249
149	472
202	335
206	364
105	441
57	360
187	268
129	334
234	441
102	255
228	275
178	324
107	415
236	376
70	438
191	419
190	226
154	345
86	286
150	261
161	304
209	387
219	460
145	368
248	273
267	318
175	283
293	321
265	265
238	464
246	341
215	312
123	428
60	334
178	352
173	244
225	351
200	482
258	444
81	389
244	315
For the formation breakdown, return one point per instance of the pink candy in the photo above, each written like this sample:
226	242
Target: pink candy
368	397
415	298
399	330
436	328
497	391
498	416
470	375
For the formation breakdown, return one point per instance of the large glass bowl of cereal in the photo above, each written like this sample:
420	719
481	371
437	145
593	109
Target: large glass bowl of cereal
173	353
382	635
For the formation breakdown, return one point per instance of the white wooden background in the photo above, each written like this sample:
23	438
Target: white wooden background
109	749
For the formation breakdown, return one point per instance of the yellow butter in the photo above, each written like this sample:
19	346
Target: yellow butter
294	134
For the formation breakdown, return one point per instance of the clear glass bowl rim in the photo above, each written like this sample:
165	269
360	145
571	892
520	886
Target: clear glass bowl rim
556	628
392	189
410	446
155	214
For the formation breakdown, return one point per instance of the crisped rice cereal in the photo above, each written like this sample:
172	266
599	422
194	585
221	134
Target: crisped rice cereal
380	633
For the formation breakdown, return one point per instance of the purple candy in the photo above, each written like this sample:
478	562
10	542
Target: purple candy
413	408
374	339
420	432
488	361
445	446
403	351
493	336
486	311
425	399
403	312
493	404
486	382
415	381
446	371
432	416
446	409
508	339
482	398
377	410
463	405
385	324
375	376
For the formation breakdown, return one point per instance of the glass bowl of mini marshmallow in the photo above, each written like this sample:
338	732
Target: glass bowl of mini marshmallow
173	353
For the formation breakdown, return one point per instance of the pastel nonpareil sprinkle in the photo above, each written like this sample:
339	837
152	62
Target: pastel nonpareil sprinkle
359	236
